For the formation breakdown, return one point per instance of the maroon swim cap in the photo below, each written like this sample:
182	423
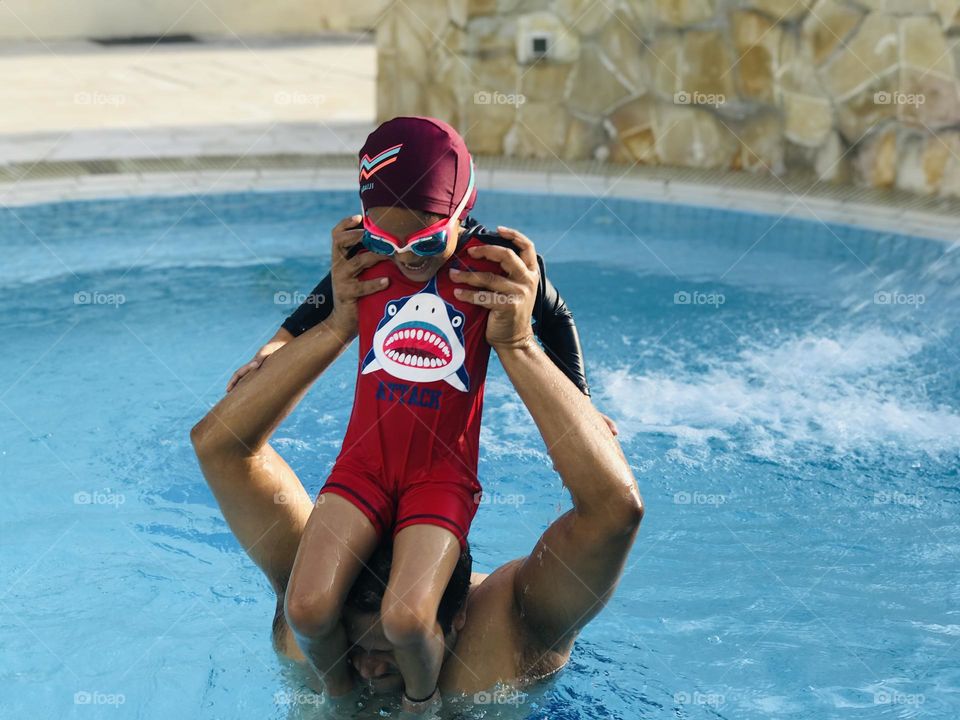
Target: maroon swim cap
419	163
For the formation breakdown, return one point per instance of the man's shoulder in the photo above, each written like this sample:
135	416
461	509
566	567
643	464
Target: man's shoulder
494	644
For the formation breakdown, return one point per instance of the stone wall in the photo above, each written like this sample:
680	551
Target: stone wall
851	90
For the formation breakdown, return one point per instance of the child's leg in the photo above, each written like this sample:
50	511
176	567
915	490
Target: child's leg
424	557
336	542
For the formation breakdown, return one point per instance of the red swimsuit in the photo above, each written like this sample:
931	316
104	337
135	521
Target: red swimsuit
411	448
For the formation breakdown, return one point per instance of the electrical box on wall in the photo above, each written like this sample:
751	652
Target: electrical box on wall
542	37
539	44
535	46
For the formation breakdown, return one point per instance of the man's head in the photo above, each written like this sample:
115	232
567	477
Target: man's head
416	174
371	654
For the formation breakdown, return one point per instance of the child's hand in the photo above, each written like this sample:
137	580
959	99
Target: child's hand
347	289
278	341
610	424
509	298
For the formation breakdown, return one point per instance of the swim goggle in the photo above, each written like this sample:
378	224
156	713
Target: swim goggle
430	241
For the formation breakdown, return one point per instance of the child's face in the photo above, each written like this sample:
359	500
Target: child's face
402	223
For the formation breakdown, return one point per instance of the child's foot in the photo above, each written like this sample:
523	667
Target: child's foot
425	708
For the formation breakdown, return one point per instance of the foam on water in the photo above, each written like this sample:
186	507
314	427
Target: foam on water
834	392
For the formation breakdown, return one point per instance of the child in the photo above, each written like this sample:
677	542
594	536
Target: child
408	464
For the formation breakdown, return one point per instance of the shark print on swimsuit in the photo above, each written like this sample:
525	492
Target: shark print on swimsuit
420	338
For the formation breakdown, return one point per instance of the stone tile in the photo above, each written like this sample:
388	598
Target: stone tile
780	10
756	41
864	60
624	53
828	25
592	89
585	17
692	137
877	161
682	13
540	131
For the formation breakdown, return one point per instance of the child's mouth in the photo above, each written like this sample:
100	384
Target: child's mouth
415	265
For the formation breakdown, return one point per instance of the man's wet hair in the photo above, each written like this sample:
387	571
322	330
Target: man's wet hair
366	595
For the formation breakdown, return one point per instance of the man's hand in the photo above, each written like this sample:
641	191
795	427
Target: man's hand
347	289
510	297
275	343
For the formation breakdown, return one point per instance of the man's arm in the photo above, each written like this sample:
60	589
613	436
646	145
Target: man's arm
557	331
246	417
319	303
312	311
577	563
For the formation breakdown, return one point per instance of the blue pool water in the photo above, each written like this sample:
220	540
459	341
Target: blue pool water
788	395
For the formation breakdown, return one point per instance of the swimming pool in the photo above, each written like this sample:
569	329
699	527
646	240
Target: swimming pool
788	395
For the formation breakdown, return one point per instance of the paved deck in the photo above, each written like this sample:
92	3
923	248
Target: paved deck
83	101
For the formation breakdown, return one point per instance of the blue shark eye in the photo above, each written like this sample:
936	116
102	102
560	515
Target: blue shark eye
456	321
391	309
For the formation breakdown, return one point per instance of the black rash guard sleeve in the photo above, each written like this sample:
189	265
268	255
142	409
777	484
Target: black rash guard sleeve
314	310
317	307
553	324
552	320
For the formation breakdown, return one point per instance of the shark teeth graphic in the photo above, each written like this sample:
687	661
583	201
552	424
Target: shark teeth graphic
420	339
418	346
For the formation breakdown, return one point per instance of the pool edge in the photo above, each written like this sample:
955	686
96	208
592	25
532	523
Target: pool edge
794	197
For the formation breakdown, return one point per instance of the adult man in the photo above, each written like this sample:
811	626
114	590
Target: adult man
516	624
